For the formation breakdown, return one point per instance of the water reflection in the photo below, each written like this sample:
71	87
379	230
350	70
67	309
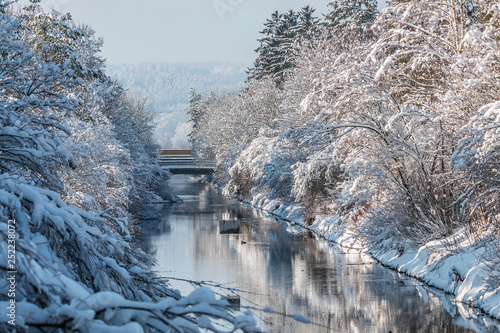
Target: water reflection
289	270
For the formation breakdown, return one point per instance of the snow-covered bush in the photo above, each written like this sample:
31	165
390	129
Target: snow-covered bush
75	273
374	121
225	124
102	180
476	159
72	157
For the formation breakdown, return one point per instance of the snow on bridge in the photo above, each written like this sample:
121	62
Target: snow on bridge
182	162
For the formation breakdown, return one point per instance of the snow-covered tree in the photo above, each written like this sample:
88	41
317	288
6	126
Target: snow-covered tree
476	160
439	61
219	130
144	116
355	13
308	24
196	115
276	53
377	104
31	109
75	267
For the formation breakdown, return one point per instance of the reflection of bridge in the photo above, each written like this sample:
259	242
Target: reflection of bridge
181	162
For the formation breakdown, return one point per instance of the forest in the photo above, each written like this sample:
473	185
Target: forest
77	161
379	126
166	87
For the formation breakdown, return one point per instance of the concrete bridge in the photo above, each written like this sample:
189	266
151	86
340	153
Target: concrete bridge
181	162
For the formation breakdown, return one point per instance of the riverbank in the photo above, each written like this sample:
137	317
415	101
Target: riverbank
277	265
457	265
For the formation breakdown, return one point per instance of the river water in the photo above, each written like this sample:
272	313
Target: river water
286	268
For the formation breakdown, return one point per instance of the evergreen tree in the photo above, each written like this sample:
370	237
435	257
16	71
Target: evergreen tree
195	113
352	12
198	106
282	56
308	23
277	50
348	21
263	63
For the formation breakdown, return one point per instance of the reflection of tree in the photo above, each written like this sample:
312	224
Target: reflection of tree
157	224
294	273
345	292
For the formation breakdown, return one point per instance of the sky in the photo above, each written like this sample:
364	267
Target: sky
165	31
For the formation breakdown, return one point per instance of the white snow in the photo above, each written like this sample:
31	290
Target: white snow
459	270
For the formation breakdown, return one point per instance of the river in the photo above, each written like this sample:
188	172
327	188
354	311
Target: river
284	267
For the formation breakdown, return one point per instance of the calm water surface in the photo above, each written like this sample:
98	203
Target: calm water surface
284	267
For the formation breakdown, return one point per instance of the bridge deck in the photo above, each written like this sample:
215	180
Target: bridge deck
187	166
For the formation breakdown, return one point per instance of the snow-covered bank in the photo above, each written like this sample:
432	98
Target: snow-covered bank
385	127
77	161
456	265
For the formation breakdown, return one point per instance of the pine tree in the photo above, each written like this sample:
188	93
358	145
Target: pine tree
263	63
308	23
195	113
352	12
282	57
348	21
276	53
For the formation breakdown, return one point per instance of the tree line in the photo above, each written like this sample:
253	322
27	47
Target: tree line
167	87
388	121
77	158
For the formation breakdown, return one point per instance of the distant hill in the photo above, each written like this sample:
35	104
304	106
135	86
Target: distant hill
167	87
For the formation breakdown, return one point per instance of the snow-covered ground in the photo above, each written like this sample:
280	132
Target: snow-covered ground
456	265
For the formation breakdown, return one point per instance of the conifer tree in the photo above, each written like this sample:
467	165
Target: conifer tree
195	113
308	23
262	65
349	20
352	12
277	50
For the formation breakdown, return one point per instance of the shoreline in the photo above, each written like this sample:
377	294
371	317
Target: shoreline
457	271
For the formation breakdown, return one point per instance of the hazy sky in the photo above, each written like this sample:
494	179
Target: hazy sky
178	30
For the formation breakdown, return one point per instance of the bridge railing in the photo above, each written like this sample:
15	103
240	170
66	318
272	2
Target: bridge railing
187	163
174	152
176	158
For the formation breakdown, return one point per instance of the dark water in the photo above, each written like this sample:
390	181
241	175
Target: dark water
283	267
